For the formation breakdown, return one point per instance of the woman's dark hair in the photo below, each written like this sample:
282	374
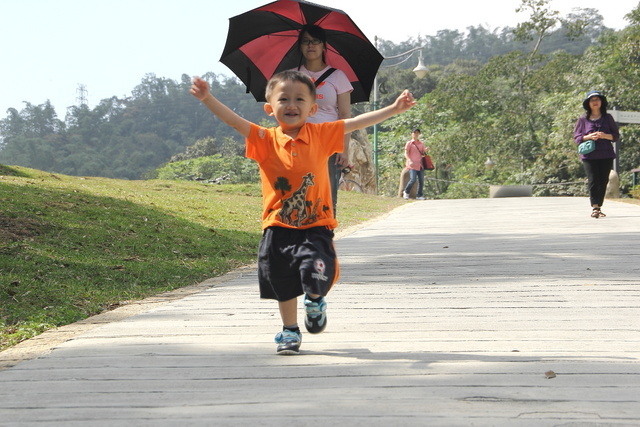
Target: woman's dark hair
314	31
603	106
317	33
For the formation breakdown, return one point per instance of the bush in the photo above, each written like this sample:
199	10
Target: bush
240	169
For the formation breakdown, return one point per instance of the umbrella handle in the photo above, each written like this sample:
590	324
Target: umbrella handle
248	80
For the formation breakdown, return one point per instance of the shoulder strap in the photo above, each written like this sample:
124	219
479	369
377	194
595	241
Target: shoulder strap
421	152
324	76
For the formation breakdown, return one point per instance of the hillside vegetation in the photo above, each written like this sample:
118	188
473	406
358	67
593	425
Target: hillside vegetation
131	137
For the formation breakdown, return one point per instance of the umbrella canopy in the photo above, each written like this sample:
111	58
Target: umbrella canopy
263	41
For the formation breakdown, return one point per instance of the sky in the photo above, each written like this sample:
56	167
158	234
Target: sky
52	47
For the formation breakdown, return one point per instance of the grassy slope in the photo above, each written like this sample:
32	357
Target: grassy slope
72	247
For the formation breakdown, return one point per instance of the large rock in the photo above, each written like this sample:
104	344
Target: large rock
404	180
510	190
361	157
613	187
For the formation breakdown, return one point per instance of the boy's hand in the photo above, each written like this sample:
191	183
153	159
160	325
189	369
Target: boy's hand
199	88
404	101
400	105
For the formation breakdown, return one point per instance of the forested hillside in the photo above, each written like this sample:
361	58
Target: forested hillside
511	94
519	109
121	138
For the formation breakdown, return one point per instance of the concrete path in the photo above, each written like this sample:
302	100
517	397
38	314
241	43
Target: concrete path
487	312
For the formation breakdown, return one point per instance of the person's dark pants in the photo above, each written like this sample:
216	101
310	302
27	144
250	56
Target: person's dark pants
335	172
597	171
293	262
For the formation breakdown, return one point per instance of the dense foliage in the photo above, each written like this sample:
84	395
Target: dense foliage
122	138
511	94
519	109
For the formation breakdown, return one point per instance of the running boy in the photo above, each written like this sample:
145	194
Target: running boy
296	254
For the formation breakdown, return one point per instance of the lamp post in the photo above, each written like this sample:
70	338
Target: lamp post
420	71
489	164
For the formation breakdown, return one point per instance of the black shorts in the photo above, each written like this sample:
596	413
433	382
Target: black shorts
292	262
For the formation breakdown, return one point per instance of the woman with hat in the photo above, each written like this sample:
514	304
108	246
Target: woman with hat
598	126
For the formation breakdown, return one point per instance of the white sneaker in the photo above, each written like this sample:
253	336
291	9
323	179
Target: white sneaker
405	196
420	198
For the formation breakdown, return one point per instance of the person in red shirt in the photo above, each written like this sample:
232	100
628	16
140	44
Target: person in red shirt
296	255
414	150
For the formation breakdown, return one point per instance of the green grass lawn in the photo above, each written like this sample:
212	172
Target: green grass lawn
72	247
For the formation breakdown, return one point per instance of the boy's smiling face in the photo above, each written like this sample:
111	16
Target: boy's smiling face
291	102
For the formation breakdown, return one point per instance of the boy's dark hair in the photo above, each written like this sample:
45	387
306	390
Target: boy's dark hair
290	76
416	130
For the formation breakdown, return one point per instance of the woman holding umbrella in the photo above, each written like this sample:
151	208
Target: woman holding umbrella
333	94
297	34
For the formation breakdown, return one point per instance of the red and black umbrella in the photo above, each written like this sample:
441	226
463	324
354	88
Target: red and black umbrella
263	41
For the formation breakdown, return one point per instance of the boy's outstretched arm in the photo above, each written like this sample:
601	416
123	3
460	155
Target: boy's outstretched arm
200	89
400	105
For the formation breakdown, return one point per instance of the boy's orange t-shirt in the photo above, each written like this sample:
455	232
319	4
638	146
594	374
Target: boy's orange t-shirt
296	191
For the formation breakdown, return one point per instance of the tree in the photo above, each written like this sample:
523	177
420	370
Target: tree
504	108
613	66
541	21
488	92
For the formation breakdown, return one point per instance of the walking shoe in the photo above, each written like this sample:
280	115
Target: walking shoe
288	342
316	320
421	198
405	196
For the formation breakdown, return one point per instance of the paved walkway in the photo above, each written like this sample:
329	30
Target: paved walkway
449	313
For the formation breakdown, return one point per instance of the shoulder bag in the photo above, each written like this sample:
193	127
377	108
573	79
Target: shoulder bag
427	164
586	147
